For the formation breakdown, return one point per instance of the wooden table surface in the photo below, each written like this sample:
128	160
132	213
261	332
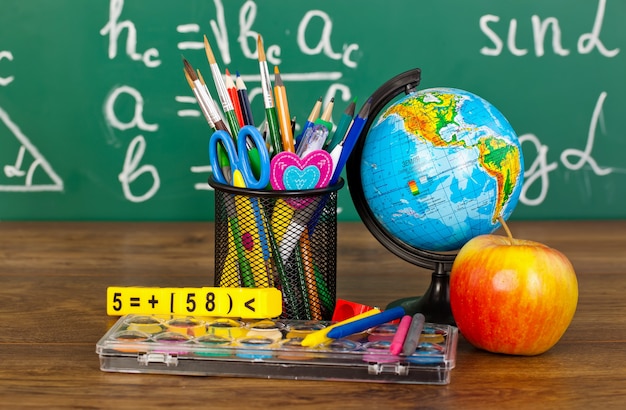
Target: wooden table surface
53	311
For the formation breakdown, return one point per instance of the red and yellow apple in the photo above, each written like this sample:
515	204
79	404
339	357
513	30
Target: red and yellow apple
512	296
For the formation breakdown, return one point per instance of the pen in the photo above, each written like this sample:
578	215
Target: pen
222	93
244	101
314	138
282	109
398	339
342	151
234	97
413	335
342	127
366	323
296	226
270	109
315	112
320	337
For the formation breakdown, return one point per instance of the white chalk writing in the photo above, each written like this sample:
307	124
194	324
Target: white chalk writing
587	42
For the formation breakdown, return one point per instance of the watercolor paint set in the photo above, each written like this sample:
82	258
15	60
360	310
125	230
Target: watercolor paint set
227	347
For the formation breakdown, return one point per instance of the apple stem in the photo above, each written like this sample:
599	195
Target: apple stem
506	228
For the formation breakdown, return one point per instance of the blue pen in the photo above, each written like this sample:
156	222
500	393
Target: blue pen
343	150
366	323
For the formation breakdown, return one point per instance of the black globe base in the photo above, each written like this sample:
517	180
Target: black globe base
434	304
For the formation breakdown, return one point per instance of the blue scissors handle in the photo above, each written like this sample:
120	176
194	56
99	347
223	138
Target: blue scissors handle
239	159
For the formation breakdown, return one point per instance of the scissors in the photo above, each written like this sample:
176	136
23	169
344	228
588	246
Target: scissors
240	158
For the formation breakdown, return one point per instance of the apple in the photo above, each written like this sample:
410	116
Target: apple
510	295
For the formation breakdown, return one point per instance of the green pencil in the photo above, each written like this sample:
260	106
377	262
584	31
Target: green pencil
342	127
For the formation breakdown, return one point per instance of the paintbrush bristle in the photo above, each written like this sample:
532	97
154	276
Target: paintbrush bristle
259	43
189	70
201	78
208	51
189	80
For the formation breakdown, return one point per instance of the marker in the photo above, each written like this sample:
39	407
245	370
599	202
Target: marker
268	102
366	323
282	108
222	93
413	335
320	337
398	339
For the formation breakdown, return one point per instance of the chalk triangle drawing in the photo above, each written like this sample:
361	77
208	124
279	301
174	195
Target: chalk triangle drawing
19	174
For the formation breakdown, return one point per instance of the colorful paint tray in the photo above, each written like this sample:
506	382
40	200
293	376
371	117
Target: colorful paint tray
228	347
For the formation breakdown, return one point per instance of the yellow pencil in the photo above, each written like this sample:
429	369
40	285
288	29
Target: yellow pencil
328	110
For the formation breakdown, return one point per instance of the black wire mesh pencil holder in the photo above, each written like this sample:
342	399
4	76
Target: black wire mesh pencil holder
281	239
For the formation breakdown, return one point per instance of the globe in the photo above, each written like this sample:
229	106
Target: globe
439	167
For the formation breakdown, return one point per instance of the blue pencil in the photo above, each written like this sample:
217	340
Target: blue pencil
343	150
366	323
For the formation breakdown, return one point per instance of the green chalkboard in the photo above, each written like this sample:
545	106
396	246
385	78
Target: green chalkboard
97	121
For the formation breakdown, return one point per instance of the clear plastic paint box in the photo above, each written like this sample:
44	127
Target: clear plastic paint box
271	349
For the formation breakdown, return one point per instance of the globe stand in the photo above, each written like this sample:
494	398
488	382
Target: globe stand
435	303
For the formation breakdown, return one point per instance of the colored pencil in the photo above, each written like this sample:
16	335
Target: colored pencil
282	109
234	97
328	110
244	101
363	324
342	127
315	112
